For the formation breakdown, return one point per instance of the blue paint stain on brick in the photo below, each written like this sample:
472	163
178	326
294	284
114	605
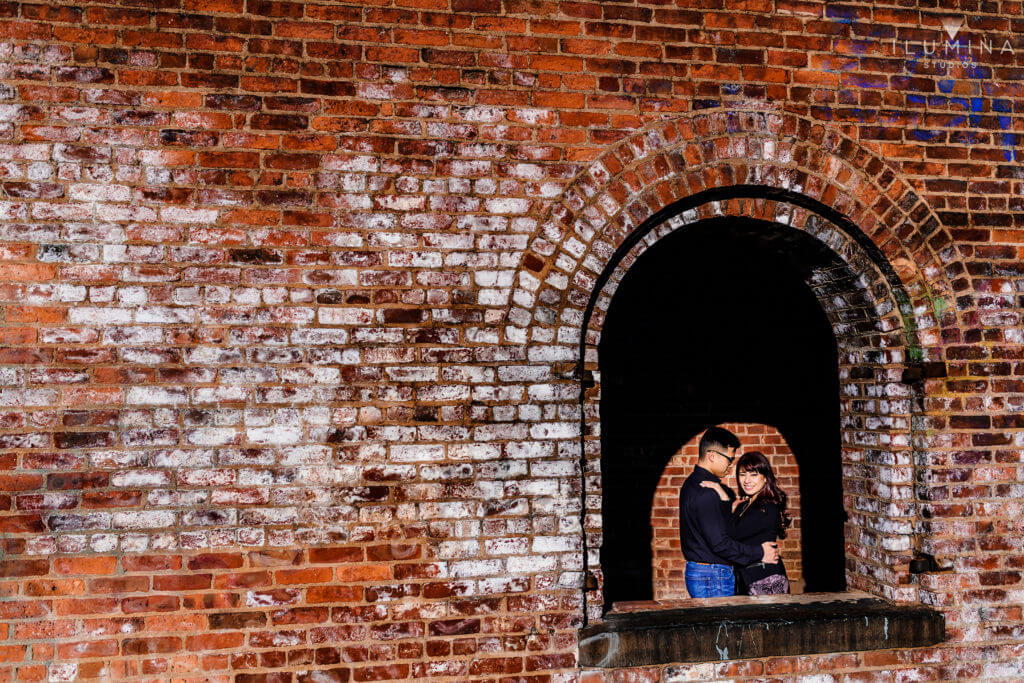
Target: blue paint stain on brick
877	31
867	81
977	105
860	47
1009	140
823	113
897	118
863	115
961	103
992	88
1010	151
844	14
967	137
841	13
922	135
977	71
732	88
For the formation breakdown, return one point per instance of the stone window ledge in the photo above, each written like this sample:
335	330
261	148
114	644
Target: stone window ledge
754	627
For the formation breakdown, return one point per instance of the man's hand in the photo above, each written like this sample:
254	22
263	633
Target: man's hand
717	488
771	552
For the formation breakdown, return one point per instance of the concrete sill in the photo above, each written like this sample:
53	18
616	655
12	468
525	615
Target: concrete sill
722	629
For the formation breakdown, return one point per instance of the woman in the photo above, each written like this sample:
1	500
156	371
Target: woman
758	515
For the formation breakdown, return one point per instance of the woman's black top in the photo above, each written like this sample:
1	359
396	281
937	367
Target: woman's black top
755	523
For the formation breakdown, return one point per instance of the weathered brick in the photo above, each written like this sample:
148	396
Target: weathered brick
293	297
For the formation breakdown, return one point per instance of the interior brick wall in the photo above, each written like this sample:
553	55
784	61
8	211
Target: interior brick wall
292	296
668	561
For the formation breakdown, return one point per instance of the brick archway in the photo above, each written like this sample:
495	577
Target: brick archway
875	336
895	268
722	148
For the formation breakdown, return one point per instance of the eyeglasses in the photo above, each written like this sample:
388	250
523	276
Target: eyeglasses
727	457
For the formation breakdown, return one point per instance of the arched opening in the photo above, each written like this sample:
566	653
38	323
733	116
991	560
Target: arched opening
886	291
668	576
723	322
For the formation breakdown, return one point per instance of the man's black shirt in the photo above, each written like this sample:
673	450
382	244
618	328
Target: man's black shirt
702	525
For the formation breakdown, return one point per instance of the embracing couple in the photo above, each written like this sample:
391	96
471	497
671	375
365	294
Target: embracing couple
731	545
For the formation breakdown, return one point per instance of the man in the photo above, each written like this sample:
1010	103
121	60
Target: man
710	553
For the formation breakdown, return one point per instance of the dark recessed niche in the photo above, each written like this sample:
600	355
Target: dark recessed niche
714	324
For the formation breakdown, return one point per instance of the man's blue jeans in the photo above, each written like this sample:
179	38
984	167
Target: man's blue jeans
709	580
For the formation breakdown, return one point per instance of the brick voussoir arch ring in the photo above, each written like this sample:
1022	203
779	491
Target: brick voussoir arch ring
872	285
714	150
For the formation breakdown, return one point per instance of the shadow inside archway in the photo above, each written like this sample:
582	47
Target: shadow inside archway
715	323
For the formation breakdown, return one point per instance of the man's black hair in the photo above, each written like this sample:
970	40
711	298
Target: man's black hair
717	438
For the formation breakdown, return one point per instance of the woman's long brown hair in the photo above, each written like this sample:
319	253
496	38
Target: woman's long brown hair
755	461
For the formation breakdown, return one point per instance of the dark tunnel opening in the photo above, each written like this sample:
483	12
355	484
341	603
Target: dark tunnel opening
715	323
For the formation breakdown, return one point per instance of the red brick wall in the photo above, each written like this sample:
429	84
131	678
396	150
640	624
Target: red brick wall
291	295
668	561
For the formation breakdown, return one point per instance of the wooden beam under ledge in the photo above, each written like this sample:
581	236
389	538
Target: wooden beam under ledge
753	627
